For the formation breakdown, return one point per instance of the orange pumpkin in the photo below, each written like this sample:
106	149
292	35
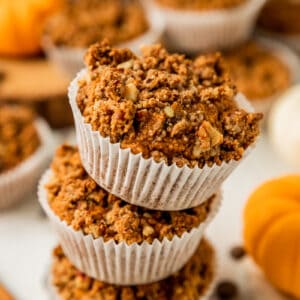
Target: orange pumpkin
272	232
21	25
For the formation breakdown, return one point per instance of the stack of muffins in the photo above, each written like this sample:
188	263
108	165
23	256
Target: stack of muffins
157	135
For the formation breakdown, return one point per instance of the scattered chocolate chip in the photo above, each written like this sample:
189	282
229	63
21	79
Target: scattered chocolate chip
226	290
237	253
2	76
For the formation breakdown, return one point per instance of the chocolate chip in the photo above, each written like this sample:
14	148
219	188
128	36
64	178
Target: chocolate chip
237	253
2	76
226	290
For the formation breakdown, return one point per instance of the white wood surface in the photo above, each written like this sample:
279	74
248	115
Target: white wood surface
26	239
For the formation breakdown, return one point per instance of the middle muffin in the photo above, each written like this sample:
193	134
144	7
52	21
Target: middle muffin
160	131
111	240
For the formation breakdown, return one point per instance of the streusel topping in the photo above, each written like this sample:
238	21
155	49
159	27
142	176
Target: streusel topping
18	136
165	106
76	198
189	283
257	72
201	4
83	23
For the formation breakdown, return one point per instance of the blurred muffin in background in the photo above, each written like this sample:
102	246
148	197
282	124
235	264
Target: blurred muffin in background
84	22
262	70
200	4
24	147
194	26
281	19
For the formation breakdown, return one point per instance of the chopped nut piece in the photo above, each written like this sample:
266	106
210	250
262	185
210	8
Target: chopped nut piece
169	111
209	136
148	230
131	91
126	65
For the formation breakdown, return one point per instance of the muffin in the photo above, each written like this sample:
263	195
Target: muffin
110	239
280	18
196	25
193	282
82	23
262	70
23	152
159	131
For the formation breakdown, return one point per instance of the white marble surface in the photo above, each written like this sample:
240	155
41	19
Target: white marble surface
26	239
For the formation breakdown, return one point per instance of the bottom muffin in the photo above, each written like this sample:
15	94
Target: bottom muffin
192	282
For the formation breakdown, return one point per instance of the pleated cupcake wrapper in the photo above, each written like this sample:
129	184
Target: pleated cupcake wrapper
70	60
192	31
119	263
289	58
53	293
16	183
140	181
292	40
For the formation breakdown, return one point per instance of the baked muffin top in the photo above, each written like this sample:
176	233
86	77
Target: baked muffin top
19	138
165	106
201	4
189	283
257	72
85	22
76	198
281	16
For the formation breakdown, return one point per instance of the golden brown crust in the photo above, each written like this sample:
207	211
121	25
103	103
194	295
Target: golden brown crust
18	136
83	23
188	284
257	72
77	199
201	4
165	106
281	16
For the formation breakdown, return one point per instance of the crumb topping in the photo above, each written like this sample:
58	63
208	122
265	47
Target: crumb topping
76	198
201	4
257	72
189	283
165	106
18	136
83	23
281	16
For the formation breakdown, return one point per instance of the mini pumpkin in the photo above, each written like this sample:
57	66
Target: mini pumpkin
272	232
21	25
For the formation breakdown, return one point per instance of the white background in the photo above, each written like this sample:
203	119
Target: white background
26	238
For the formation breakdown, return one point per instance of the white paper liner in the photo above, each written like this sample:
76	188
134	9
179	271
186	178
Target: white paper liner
140	181
119	263
192	31
289	58
53	294
70	60
291	40
16	183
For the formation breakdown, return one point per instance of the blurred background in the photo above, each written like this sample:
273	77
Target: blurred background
42	47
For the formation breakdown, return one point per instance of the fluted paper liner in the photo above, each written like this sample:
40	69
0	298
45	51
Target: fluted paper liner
16	183
192	31
289	58
70	59
140	181
120	263
53	293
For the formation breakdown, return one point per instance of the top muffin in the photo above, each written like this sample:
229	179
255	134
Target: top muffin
85	22
201	4
18	136
165	106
